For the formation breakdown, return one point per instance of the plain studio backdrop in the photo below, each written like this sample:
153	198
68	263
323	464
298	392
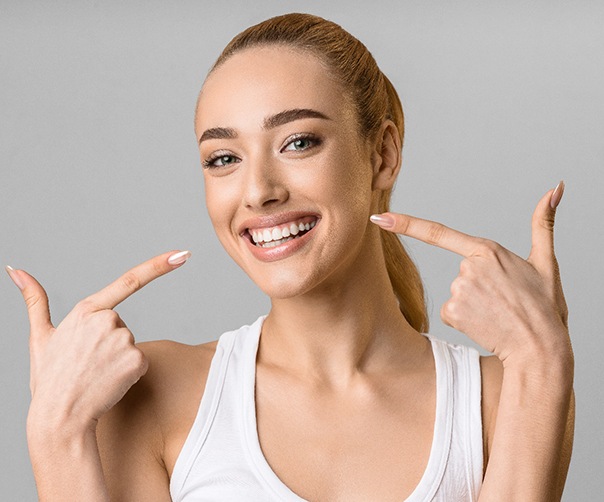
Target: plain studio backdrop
100	168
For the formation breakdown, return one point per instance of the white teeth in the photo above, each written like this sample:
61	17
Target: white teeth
271	237
275	243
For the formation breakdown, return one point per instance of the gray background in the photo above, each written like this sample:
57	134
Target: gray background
100	171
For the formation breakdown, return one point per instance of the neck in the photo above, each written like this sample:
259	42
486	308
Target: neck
349	326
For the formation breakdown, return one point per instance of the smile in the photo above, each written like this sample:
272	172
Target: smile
274	236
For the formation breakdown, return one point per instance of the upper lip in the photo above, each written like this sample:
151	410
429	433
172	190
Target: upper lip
273	220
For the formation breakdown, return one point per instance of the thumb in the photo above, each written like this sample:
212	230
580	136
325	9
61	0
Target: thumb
36	300
542	255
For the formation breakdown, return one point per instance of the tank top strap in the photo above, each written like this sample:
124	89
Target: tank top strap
222	460
205	413
465	459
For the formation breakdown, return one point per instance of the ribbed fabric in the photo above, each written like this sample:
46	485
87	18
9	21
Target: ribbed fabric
221	459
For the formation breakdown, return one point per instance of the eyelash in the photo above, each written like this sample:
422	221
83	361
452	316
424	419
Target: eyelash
314	141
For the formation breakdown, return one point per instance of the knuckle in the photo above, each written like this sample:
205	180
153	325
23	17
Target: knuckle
131	281
444	315
547	222
489	248
85	306
436	232
450	312
125	337
32	299
108	316
139	358
403	224
137	361
465	266
458	286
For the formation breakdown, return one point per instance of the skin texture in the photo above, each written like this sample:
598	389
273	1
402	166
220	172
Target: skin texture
329	179
354	351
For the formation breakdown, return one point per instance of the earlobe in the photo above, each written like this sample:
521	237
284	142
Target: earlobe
386	157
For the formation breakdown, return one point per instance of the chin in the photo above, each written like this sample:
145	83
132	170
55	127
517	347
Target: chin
283	284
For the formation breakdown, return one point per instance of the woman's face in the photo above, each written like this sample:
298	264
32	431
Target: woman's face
288	180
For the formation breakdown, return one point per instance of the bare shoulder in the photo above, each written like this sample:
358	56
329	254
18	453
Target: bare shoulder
141	436
173	369
491	370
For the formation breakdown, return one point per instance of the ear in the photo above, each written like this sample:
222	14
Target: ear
386	156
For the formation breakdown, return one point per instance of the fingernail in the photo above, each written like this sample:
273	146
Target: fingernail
14	277
179	258
382	220
557	195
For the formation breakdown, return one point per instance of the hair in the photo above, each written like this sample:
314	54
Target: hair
375	99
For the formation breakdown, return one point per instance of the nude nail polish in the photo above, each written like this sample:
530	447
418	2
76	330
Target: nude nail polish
557	195
179	258
14	277
382	220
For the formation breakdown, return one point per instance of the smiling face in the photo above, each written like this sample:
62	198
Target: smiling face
288	179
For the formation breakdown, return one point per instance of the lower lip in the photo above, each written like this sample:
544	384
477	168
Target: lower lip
282	250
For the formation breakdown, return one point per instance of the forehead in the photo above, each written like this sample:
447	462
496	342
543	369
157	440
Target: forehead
259	82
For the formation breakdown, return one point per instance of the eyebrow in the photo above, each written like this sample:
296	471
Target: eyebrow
269	122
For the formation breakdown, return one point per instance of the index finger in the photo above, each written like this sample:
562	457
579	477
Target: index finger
430	232
136	278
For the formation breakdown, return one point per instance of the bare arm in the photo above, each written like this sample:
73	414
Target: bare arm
66	466
533	429
530	431
515	309
131	442
79	371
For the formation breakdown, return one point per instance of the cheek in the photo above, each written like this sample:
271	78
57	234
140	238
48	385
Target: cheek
352	183
219	203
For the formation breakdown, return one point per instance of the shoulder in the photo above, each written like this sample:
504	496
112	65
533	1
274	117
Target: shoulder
139	438
491	370
170	364
174	368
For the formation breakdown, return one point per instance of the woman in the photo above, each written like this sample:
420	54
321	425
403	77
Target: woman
336	394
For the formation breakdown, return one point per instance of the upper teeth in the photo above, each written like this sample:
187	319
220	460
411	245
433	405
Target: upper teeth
280	232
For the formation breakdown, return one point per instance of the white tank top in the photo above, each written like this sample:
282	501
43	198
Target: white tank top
221	459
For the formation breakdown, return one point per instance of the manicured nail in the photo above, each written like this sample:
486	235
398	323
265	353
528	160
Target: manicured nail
15	278
557	195
179	258
382	220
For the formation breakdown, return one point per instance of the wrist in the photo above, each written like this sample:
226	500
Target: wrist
547	352
548	378
56	428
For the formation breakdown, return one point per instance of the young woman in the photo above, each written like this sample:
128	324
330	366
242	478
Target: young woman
337	393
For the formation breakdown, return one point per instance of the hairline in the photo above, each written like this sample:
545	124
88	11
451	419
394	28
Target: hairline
348	93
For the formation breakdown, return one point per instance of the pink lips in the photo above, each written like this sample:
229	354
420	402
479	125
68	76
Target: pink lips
285	249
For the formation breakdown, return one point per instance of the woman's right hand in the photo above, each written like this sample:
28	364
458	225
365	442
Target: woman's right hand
83	367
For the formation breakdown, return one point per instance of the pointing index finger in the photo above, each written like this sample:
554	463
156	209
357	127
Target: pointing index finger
430	232
136	278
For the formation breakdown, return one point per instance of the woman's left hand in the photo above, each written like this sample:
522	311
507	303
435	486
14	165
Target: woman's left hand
512	307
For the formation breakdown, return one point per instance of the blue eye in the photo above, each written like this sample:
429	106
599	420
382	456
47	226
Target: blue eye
219	161
300	143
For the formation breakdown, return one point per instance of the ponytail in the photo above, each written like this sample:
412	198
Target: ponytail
403	272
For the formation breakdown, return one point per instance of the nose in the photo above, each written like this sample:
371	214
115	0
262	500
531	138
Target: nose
264	184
